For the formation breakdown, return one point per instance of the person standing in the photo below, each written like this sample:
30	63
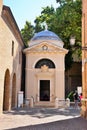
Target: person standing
80	96
76	99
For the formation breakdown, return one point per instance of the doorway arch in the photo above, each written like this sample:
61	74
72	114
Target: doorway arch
6	95
13	101
46	62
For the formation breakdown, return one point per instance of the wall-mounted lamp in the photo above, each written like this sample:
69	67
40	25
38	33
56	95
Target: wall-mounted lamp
72	40
72	43
84	61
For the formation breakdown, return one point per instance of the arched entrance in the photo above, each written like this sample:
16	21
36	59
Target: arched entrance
46	62
13	101
6	91
45	78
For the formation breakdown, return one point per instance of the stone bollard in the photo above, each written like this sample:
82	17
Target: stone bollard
27	102
20	98
68	102
31	102
56	102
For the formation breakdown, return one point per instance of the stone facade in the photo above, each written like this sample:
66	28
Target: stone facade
84	58
11	45
45	68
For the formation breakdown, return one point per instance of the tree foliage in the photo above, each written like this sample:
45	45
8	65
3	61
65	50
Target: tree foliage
64	21
47	16
68	17
27	32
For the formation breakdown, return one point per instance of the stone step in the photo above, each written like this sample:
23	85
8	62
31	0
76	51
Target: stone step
45	104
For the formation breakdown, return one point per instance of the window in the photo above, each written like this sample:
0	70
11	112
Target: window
12	48
46	62
44	47
20	57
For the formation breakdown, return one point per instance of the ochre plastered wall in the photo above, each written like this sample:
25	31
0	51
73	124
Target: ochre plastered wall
7	61
84	58
34	75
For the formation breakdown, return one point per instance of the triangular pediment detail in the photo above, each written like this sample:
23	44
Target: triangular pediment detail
45	47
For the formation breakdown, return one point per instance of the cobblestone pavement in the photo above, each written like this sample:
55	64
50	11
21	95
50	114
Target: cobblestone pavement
43	119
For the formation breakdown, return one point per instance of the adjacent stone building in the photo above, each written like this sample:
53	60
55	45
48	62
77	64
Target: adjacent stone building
45	68
84	58
11	45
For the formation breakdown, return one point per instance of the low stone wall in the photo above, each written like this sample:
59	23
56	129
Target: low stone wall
59	103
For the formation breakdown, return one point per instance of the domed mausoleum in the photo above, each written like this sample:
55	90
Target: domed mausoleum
45	68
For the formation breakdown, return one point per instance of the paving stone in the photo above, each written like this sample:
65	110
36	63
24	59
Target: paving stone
43	119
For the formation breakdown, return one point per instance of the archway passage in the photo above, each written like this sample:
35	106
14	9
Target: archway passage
6	96
44	90
13	101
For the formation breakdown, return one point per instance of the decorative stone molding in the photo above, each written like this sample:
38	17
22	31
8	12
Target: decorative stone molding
44	68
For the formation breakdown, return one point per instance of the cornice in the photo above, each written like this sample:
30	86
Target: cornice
38	49
10	21
45	52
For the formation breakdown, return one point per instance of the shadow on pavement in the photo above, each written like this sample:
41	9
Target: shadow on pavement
44	112
69	124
